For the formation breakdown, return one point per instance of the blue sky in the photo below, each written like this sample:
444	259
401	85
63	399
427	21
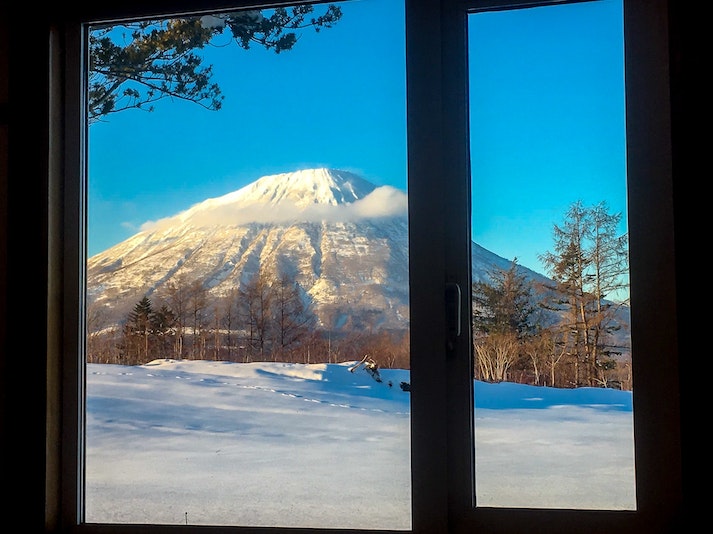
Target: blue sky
547	123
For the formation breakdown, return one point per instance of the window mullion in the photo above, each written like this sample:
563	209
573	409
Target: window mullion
427	257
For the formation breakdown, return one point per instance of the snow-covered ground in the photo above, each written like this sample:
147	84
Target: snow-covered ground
277	444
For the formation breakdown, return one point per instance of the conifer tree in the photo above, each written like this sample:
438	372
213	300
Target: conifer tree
502	311
504	304
139	329
134	64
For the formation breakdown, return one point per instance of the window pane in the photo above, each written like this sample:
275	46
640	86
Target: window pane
247	280
553	388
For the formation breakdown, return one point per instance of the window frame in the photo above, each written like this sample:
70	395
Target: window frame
653	296
439	184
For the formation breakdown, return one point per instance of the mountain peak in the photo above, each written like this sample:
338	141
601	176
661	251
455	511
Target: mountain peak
303	188
316	195
280	197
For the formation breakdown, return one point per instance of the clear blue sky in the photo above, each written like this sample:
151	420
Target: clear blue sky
547	117
547	121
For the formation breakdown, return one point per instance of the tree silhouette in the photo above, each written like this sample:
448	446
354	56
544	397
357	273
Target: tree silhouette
134	64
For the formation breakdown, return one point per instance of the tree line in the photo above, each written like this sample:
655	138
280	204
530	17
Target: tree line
267	319
566	333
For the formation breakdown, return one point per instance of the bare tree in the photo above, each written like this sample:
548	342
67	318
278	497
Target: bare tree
495	355
293	319
177	297
256	306
197	306
163	326
588	264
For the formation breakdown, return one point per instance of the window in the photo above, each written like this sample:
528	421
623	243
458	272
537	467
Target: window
547	130
271	280
649	336
442	452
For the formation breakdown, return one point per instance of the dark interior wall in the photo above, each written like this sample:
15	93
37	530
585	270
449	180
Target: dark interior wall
4	45
23	294
686	51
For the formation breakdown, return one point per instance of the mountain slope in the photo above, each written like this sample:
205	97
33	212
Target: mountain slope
342	239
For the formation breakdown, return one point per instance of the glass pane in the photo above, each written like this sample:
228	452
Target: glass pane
553	388
247	279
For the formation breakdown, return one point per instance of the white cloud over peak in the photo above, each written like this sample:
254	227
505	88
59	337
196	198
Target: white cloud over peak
384	201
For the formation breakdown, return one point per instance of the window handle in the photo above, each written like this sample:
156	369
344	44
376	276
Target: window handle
453	295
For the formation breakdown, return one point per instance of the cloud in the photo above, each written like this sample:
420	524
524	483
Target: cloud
384	201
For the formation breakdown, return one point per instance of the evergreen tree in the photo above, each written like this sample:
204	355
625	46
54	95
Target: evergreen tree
502	311
138	330
134	64
504	304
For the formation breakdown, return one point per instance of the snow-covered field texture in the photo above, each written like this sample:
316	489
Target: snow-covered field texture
281	444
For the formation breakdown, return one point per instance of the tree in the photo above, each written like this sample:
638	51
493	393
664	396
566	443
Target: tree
229	319
293	319
589	263
197	306
163	324
134	64
138	330
256	307
178	296
96	347
502	311
495	355
553	345
610	264
504	304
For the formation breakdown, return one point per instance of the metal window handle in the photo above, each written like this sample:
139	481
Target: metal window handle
453	295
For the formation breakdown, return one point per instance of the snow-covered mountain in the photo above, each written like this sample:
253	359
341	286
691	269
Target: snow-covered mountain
344	241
